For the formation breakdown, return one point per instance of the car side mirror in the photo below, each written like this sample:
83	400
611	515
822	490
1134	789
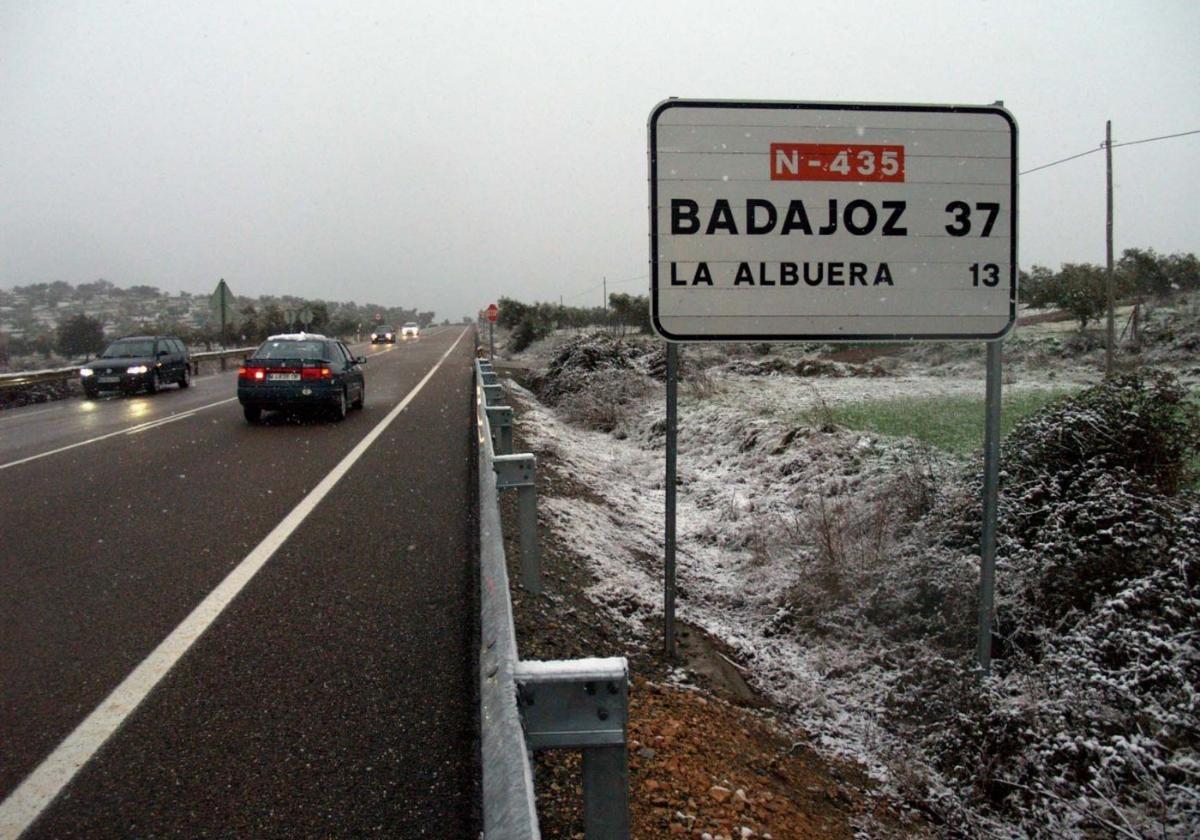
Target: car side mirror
360	360
164	353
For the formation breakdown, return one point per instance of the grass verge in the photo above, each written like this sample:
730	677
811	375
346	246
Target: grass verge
951	423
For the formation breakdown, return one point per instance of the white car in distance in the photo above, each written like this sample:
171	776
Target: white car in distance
410	330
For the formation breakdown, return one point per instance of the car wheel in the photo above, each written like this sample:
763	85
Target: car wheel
339	407
88	393
252	414
362	397
185	380
152	383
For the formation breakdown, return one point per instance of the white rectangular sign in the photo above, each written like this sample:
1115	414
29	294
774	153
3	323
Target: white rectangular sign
825	221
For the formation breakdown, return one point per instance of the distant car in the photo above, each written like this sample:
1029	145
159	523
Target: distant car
383	334
136	363
299	371
410	330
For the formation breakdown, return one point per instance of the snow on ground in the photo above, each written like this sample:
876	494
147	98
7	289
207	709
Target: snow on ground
746	482
758	473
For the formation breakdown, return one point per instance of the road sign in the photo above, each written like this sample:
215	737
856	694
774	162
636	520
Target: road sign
818	221
221	305
493	312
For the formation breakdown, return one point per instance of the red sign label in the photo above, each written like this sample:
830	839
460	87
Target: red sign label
836	162
493	312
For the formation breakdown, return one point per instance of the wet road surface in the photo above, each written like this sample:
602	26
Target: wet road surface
332	696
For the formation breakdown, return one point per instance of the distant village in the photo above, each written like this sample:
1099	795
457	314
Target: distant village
29	311
31	316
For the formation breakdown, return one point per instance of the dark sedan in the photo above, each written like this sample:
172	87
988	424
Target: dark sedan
137	363
301	371
383	334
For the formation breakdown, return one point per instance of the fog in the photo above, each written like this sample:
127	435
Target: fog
443	155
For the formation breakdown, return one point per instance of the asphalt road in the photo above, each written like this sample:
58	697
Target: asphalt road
333	696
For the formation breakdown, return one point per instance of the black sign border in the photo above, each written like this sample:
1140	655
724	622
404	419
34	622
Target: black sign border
668	104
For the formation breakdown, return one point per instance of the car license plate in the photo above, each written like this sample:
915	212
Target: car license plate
283	377
108	379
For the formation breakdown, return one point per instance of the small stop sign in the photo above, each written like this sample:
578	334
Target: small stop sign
493	312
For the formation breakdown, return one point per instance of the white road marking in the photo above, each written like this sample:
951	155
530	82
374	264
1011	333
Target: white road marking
162	421
40	787
130	430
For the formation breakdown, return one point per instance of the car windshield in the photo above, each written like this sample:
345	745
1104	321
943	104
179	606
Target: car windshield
383	328
290	349
128	349
410	324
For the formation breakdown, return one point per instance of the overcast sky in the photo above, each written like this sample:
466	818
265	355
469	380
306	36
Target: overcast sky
443	154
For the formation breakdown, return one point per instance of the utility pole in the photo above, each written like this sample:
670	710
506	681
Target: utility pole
1111	340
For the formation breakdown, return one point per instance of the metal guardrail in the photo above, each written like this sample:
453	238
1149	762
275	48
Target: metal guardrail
523	706
24	378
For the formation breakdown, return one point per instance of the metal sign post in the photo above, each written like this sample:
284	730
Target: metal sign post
991	482
669	488
819	221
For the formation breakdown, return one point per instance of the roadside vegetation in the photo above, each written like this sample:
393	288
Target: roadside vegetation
954	424
829	538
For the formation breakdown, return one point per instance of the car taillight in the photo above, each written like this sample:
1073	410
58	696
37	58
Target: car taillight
252	374
316	373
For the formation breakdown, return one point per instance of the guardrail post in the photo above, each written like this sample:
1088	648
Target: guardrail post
518	471
493	394
584	705
606	793
500	418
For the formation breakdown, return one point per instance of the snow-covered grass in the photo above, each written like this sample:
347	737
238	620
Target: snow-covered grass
841	567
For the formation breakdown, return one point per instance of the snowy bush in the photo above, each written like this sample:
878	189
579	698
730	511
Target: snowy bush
1098	731
608	403
574	367
1142	423
1092	721
594	382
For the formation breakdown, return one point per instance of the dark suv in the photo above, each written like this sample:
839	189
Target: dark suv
299	371
140	361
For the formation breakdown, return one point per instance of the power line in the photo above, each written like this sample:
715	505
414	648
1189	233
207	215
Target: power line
629	280
595	286
578	295
1152	139
1114	145
1064	160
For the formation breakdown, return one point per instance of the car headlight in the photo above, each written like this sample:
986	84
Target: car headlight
374	335
86	371
389	335
136	369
